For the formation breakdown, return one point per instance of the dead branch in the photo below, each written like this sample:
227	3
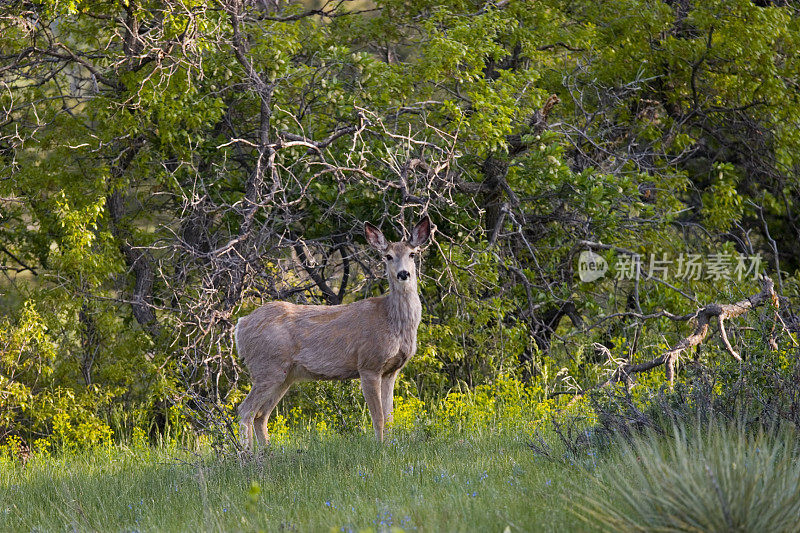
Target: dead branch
703	318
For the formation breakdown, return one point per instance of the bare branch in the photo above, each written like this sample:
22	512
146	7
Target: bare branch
703	317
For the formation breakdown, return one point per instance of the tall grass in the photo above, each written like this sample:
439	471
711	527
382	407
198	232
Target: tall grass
715	477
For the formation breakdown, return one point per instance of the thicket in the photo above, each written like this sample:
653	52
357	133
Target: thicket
166	167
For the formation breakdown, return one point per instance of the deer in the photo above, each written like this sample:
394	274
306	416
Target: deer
371	339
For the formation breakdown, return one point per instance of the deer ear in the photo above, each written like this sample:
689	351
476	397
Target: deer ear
421	232
374	237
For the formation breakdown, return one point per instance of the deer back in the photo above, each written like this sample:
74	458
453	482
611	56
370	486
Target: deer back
326	342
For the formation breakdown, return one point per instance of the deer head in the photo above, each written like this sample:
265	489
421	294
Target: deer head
398	257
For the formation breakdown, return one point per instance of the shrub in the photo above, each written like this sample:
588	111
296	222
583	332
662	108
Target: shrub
704	478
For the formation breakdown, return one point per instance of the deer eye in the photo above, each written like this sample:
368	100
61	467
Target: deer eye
412	255
389	257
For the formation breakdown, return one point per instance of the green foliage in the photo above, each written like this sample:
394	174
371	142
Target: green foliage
137	156
25	356
501	405
722	204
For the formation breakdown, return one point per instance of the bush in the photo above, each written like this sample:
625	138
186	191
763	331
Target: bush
704	478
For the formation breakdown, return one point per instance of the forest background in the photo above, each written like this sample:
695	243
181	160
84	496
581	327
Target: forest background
167	166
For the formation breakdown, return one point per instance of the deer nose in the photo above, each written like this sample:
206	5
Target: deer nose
403	275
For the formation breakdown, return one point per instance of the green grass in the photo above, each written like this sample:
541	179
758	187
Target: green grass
703	477
700	478
485	482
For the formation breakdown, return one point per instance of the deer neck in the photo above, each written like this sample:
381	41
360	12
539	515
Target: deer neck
404	310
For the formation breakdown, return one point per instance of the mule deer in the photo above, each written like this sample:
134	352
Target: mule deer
371	339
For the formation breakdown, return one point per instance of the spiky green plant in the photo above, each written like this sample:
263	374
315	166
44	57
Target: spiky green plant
715	477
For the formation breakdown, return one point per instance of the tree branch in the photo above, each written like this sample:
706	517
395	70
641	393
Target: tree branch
703	317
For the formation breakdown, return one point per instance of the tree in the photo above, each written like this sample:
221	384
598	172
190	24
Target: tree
167	166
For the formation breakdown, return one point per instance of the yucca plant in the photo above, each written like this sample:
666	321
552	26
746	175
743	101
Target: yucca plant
714	477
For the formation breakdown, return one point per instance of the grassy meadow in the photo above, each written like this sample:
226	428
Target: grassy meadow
464	482
491	459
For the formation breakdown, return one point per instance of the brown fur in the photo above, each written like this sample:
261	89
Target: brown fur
282	343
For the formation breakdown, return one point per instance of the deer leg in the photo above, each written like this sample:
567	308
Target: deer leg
273	396
371	387
248	410
387	397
